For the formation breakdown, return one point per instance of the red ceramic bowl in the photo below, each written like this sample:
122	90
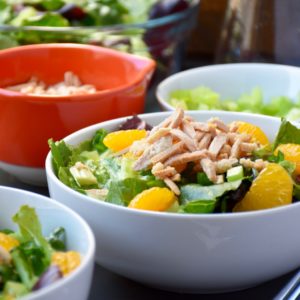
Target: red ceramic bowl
27	122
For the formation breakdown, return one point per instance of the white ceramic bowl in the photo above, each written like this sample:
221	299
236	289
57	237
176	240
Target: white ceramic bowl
188	253
79	238
232	80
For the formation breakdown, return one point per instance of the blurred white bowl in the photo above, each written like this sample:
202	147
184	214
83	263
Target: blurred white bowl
80	238
182	252
232	80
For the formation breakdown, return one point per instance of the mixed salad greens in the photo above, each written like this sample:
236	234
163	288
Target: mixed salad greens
184	166
204	98
28	260
84	14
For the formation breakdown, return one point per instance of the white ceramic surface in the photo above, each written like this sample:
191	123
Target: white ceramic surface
232	80
79	238
188	253
34	176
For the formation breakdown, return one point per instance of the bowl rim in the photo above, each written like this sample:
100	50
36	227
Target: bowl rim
179	16
87	258
194	71
148	68
145	213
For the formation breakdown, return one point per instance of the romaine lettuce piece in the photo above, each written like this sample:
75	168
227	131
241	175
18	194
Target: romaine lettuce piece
287	133
30	229
197	193
123	191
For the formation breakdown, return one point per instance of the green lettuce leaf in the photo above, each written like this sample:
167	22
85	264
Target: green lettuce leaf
30	229
287	133
196	192
198	207
123	191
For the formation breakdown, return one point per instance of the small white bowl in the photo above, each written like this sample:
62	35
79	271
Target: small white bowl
182	252
232	80
80	238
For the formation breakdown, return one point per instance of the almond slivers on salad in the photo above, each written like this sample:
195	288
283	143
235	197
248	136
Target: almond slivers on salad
185	166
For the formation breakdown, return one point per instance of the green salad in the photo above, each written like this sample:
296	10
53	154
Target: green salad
30	261
203	98
184	166
85	14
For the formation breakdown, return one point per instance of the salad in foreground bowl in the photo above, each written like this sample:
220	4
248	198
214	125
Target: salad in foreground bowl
184	166
28	260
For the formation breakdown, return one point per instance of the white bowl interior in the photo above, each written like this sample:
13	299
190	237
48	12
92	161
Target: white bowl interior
232	80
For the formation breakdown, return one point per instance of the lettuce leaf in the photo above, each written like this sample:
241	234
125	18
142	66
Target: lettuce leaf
197	207
123	191
287	133
196	192
30	229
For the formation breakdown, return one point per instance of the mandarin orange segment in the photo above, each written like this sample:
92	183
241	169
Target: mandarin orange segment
155	198
272	187
257	134
66	261
8	242
119	140
291	153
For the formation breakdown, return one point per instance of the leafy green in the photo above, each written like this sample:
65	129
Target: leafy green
204	98
52	4
198	98
202	179
5	12
25	14
35	256
196	192
30	230
123	191
23	268
97	141
46	19
287	133
14	289
7	273
60	154
57	239
197	207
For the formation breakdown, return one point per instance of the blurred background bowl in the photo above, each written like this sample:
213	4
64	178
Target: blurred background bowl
161	38
203	253
231	81
28	121
80	238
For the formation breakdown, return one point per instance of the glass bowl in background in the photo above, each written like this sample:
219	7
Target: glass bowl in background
161	39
